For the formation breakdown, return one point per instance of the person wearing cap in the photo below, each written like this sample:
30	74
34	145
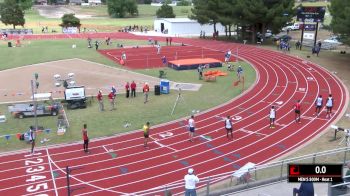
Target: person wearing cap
190	183
145	92
100	100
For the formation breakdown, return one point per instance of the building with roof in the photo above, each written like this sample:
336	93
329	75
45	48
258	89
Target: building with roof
185	26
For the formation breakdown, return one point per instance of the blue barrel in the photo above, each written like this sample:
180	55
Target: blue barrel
164	86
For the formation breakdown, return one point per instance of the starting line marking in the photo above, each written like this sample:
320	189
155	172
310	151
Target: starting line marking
162	145
252	132
51	171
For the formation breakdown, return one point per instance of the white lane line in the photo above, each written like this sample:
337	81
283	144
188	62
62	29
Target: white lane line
313	118
252	132
162	145
51	171
105	148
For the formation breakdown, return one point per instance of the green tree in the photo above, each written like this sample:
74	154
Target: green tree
260	15
340	24
11	13
206	11
69	20
165	11
120	8
183	3
25	4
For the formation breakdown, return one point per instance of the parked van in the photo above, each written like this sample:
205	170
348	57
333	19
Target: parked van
291	27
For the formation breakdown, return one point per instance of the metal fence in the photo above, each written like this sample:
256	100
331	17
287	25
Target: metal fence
258	175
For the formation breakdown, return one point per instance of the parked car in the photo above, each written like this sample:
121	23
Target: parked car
281	37
291	27
333	40
22	110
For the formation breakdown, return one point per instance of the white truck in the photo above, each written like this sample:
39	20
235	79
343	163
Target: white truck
291	27
75	97
21	110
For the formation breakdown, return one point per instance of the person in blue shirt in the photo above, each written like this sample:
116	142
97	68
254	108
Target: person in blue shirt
305	189
239	72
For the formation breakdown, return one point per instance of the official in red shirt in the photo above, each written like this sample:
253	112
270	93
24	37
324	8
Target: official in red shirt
85	138
111	98
133	89
100	100
145	92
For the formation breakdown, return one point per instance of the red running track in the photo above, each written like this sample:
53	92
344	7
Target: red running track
280	78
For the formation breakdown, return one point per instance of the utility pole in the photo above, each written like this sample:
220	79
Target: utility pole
34	86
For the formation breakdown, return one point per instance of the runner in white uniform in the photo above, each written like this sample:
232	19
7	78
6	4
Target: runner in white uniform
318	104
272	117
329	105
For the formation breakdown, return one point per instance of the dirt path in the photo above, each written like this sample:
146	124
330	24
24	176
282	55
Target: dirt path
93	76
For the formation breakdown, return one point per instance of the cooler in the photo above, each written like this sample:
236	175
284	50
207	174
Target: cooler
164	86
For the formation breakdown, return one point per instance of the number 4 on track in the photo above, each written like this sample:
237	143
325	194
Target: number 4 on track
35	178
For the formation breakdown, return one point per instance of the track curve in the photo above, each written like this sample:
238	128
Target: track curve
280	78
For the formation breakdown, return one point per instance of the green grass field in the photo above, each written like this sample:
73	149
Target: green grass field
132	110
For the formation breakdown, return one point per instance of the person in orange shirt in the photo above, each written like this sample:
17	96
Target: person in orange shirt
145	92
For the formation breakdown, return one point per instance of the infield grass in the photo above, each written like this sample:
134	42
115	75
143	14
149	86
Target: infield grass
132	110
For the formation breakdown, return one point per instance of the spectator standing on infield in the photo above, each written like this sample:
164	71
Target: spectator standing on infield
200	71
297	110
100	100
272	117
32	136
145	90
96	44
227	56
191	126
318	104
133	89
127	89
228	126
190	183
85	138
239	72
146	133
329	105
111	98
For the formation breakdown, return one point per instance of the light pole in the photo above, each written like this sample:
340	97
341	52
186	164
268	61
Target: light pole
35	86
